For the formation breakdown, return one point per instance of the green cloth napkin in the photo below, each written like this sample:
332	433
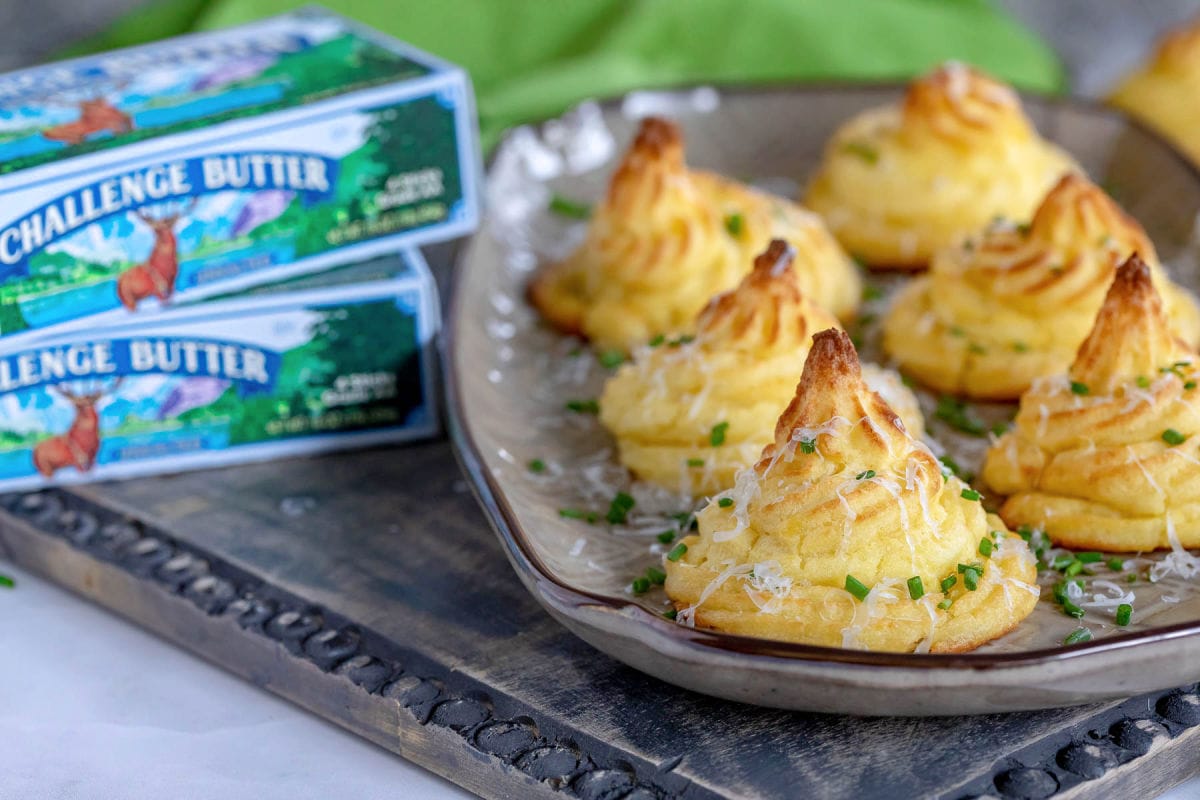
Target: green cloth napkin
532	59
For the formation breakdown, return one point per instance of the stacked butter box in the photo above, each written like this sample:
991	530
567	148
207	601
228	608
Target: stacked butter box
207	248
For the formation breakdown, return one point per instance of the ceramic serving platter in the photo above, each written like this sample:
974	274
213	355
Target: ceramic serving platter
511	379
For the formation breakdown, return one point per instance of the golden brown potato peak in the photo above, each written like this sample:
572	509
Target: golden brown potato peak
656	156
955	102
1180	49
1131	332
1077	214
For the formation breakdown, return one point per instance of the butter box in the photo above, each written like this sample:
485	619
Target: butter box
210	163
338	360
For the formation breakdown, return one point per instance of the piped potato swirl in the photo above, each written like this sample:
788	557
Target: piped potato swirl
1163	92
666	239
1107	456
1015	302
689	415
897	184
846	533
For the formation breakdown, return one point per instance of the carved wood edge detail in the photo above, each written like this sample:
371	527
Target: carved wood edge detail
436	697
501	728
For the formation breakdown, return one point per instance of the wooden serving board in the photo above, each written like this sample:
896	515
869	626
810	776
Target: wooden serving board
367	588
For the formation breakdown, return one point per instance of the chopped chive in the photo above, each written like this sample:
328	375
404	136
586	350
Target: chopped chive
1089	557
656	576
1116	564
1143	382
951	467
985	547
1173	437
537	465
871	292
725	502
1078	388
970	494
1189	385
686	520
916	589
808	446
677	552
640	585
1078	635
957	332
1000	428
666	537
1062	562
1132	578
575	513
948	583
945	603
1124	614
611	358
1023	228
863	150
657	340
7	582
1020	347
976	348
971	580
1060	592
619	508
695	462
856	587
583	406
671	614
958	415
716	437
1073	569
865	475
569	208
733	224
1072	610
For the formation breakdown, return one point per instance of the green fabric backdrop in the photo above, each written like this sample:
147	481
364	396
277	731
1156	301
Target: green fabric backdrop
530	59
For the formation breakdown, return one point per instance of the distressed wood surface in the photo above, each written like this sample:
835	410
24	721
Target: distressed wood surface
367	588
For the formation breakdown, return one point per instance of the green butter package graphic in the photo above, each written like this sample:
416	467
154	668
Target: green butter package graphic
309	365
216	162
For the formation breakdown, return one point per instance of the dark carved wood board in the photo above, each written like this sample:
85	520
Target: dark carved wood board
367	588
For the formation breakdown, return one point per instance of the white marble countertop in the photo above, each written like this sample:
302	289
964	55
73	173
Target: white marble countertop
94	707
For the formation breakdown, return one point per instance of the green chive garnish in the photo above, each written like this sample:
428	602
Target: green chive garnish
865	475
537	465
666	537
985	547
583	406
970	494
575	513
856	587
7	582
1020	347
1062	562
619	508
695	462
716	437
951	467
1124	614
971	580
863	150
958	415
656	576
677	552
1173	437
725	502
1072	610
957	332
1079	388
1132	578
1000	428
1073	569
945	603
1078	635
1143	382
1089	557
671	614
569	208
916	589
611	358
657	340
1025	532
640	585
977	349
948	583
808	446
733	224
1189	385
871	292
